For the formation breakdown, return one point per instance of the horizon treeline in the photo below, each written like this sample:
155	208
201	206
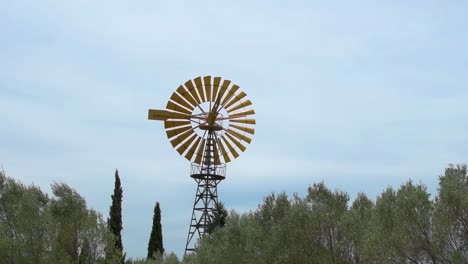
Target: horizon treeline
401	225
36	228
61	229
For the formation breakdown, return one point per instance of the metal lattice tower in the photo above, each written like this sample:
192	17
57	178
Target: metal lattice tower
208	176
208	121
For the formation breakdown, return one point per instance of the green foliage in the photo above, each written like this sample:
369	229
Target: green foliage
115	215
218	219
157	258
155	243
402	226
451	214
35	228
25	222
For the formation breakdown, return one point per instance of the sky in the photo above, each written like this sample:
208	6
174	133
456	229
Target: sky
359	94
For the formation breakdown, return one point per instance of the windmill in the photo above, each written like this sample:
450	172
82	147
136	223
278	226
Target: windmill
208	121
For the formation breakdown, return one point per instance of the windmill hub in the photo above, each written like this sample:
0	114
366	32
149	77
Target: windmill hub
208	121
213	127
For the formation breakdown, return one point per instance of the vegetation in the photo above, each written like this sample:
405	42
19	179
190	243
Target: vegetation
403	225
155	244
36	228
218	218
158	258
115	216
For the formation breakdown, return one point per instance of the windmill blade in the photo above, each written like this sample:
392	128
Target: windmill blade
242	114
192	91
154	114
236	142
239	106
192	149
181	149
217	160
186	95
230	147
207	81
217	151
199	85
239	135
169	125
181	137
245	129
223	151
222	90
216	81
236	99
177	108
178	99
230	94
177	131
250	121
199	153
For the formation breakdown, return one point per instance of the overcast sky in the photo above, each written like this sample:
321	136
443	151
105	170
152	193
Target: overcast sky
359	94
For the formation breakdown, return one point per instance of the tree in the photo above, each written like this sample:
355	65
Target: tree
69	211
170	258
328	211
357	222
115	215
61	229
451	217
218	219
155	244
25	222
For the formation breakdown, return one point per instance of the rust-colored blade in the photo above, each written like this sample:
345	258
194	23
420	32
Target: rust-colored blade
154	114
178	108
236	142
216	81
199	153
222	89
191	89
178	131
181	149
178	99
231	149
250	121
182	91
199	85
175	123
207	81
192	149
236	99
217	160
245	129
239	135
223	151
241	114
239	106
230	94
181	137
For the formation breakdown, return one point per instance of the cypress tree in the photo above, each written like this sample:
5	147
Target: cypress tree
115	215
218	219
155	243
